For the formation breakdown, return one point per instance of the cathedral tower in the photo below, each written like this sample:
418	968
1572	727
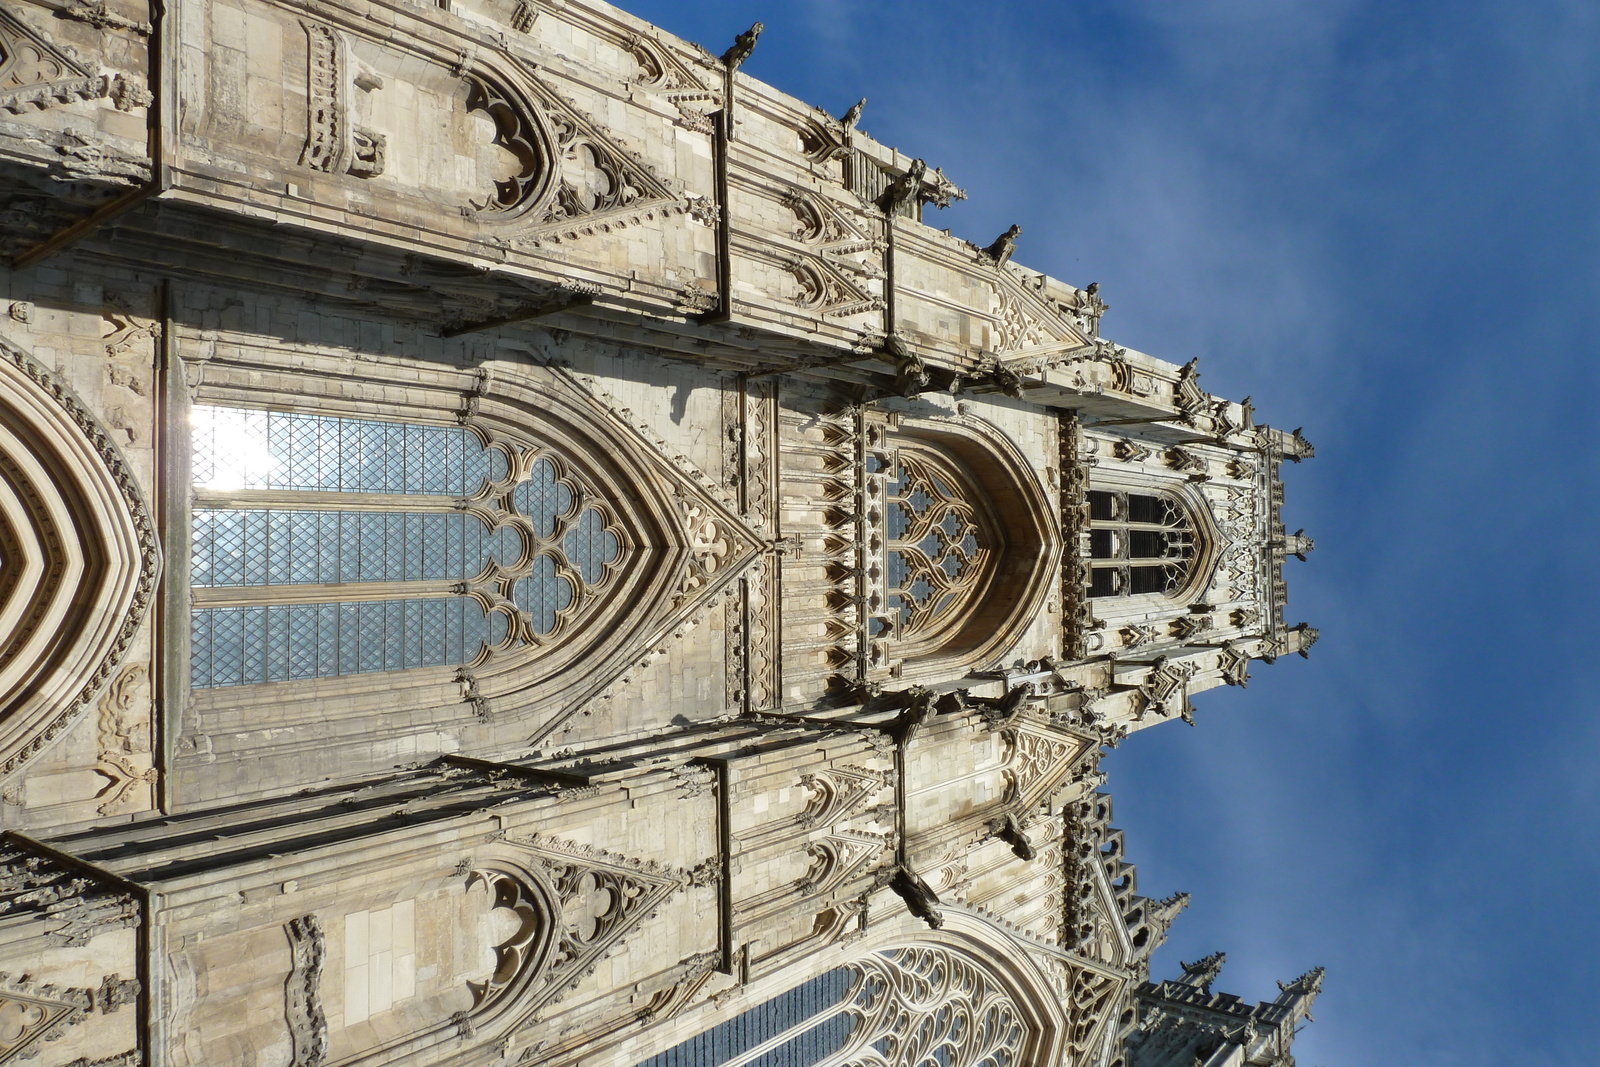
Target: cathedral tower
518	545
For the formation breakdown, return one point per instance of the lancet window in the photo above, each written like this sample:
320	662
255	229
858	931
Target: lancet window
325	546
1138	543
935	549
918	1006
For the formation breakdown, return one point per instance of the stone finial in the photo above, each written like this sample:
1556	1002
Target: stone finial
1297	996
1304	635
1165	911
1307	985
1203	972
743	45
1298	544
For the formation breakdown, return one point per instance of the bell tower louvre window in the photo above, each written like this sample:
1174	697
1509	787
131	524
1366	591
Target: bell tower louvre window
1138	543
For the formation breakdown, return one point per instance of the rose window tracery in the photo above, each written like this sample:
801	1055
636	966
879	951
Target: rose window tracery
325	546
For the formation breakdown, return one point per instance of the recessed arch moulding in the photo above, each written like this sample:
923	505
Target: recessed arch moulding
1016	516
677	547
78	557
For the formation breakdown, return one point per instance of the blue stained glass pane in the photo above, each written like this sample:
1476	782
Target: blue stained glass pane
952	524
919	501
762	1023
542	498
898	521
953	565
242	646
590	546
919	590
898	605
931	546
542	594
237	448
899	569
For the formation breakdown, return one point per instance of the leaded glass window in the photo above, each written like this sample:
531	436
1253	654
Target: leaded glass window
936	549
1138	543
919	1006
326	546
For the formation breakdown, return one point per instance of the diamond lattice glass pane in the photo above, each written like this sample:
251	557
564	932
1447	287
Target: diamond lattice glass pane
542	595
590	546
284	642
300	547
236	448
543	499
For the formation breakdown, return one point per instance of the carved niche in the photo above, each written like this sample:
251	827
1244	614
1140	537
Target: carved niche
80	557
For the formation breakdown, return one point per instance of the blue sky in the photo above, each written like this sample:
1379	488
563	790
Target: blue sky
1379	219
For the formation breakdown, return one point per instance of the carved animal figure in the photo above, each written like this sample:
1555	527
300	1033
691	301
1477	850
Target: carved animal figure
922	901
1009	830
906	189
853	116
743	45
1003	246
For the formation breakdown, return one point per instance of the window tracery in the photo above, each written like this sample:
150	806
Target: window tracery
325	546
935	548
915	1006
1138	543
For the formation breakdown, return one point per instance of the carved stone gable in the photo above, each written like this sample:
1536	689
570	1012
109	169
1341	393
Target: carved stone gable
1031	332
1040	762
837	793
602	898
36	74
31	1015
599	185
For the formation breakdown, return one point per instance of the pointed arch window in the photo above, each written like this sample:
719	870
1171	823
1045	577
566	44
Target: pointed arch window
325	546
936	548
921	1005
1138	543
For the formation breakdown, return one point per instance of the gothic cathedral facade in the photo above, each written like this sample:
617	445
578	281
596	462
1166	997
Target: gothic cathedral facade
519	545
